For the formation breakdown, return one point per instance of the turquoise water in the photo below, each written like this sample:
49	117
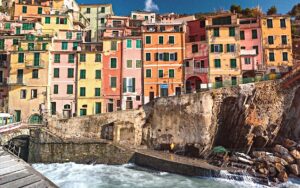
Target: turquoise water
71	175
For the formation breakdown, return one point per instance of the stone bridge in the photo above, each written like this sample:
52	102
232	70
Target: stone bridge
8	132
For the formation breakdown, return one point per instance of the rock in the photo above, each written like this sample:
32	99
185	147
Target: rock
279	167
294	168
288	158
272	159
280	149
263	171
289	144
295	153
242	155
272	171
259	154
282	176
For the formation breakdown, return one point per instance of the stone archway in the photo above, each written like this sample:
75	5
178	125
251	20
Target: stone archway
35	119
193	84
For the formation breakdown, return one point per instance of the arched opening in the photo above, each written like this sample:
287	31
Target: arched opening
193	84
67	111
35	119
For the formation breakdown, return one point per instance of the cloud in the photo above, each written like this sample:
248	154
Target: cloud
150	6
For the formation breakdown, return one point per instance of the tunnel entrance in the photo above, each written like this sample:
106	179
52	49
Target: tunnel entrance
19	146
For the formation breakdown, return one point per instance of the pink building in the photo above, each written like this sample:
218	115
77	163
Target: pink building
251	47
64	59
132	72
196	56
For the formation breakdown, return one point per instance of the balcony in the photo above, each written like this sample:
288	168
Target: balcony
16	81
115	25
248	52
195	70
3	64
31	64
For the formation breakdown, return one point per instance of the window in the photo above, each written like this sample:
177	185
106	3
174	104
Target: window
82	91
146	17
69	35
75	45
138	43
171	39
44	46
102	20
82	112
30	46
171	73
243	47
82	74
47	20
284	56
53	108
256	49
102	9
23	94
40	10
148	39
55	89
69	89
98	58
271	56
160	73
270	40
56	58
129	43
216	32
129	64
70	72
195	48
216	48
24	9
242	35
113	63
71	58
34	93
284	39
35	73
233	63
217	63
128	85
98	108
7	26
161	40
254	34
282	23
148	56
64	45
56	73
21	58
88	10
78	36
230	48
247	60
113	45
269	23
97	92
231	31
148	73
28	26
98	74
138	64
134	17
113	82
173	56
15	42
2	44
82	57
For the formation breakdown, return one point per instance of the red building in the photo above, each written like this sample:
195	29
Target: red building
196	56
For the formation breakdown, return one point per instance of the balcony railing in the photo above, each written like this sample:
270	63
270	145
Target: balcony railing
3	64
248	52
35	64
195	70
17	81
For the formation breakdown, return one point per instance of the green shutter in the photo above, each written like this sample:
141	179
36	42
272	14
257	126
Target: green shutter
160	73
133	84
113	82
64	45
124	85
98	58
82	57
47	20
44	46
254	34
231	31
113	63
57	20
56	73
138	63
15	42
36	60
232	63
129	43
70	72
221	47
171	40
212	48
148	39
7	26
55	91
71	58
217	63
82	74
171	73
98	108
2	44
24	9
113	45
148	73
40	10
56	58
242	35
21	58
98	74
138	43
228	47
161	39
69	89
82	91
97	92
148	57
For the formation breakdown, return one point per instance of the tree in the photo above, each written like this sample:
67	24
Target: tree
272	10
295	10
236	9
247	12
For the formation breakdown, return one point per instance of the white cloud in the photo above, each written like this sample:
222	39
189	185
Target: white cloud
150	6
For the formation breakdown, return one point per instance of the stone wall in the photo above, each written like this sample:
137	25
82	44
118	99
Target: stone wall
239	118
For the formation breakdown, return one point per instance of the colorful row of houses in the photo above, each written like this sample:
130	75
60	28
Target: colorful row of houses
61	59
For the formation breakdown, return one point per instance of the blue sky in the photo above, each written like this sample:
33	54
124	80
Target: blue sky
123	7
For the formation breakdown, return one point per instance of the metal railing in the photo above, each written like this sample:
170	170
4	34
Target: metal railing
10	127
195	70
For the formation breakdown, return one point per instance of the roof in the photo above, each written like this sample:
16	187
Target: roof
94	5
142	11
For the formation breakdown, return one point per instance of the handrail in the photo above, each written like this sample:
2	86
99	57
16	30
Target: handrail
10	127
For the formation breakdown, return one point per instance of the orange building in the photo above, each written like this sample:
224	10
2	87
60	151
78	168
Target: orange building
163	54
30	9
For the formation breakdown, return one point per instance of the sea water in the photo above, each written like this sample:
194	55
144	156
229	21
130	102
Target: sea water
71	175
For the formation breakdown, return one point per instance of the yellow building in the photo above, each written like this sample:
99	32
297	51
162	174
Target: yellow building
28	86
224	43
89	76
277	43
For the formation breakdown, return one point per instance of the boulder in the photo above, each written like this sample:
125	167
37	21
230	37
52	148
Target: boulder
272	171
283	177
264	171
242	155
279	167
295	153
280	149
259	154
294	168
289	144
288	158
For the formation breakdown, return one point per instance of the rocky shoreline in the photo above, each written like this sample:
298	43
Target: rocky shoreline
271	166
